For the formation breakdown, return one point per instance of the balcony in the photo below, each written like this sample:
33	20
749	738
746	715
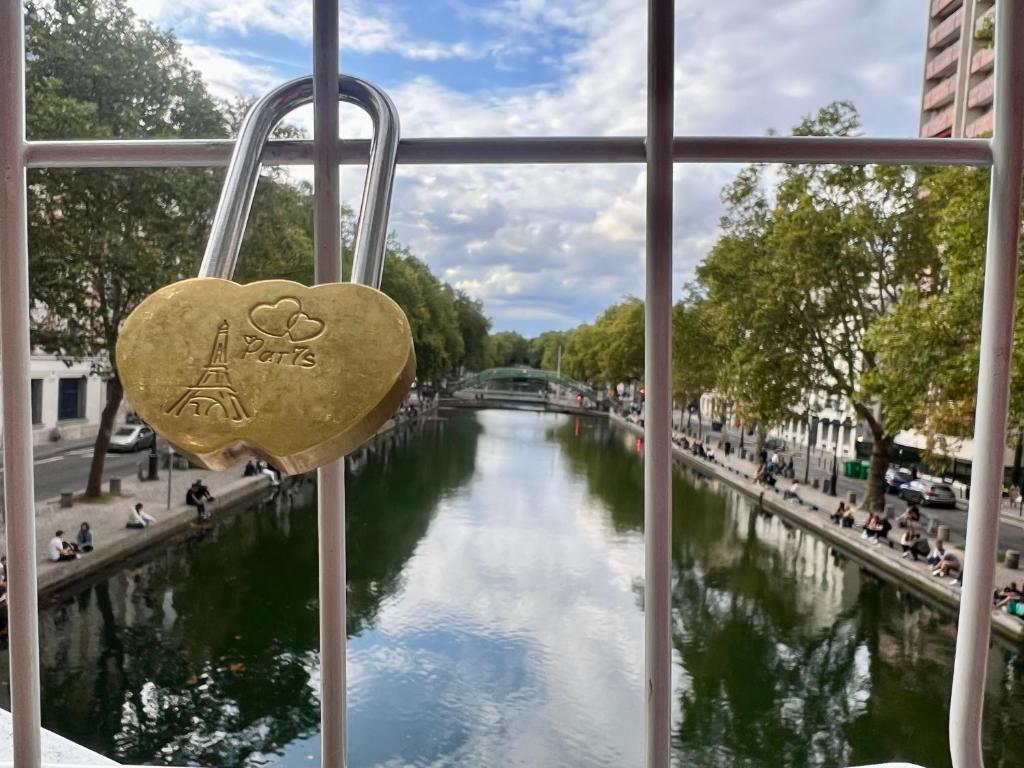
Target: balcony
980	127
983	60
942	122
981	94
941	94
942	8
947	31
943	64
986	19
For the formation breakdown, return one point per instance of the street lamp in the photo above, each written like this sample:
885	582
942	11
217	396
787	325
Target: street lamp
835	461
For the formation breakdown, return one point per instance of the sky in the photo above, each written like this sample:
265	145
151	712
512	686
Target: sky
549	247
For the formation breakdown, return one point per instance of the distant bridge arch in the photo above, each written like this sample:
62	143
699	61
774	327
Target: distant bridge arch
523	374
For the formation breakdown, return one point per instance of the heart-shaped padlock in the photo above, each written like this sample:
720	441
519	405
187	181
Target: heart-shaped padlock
297	375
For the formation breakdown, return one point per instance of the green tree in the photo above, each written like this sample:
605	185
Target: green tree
696	360
508	348
545	349
801	276
474	326
101	241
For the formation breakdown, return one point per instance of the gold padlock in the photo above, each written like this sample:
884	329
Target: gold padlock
294	374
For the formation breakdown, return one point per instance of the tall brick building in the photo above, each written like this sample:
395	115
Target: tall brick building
957	96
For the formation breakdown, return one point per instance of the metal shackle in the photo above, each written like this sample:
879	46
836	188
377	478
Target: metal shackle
243	173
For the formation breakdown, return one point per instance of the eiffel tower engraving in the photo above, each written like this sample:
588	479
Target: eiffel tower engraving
213	395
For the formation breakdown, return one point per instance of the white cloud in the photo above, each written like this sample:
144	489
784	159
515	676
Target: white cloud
517	236
358	30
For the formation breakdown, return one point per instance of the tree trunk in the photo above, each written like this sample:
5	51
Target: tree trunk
115	393
762	435
874	499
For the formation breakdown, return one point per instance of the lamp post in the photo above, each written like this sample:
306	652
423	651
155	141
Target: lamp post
835	460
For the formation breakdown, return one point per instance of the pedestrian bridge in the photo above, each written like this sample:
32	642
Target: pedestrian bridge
522	388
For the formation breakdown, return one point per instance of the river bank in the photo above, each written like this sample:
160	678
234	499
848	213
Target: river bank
813	516
164	500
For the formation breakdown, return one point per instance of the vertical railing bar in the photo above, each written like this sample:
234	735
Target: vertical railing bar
15	350
330	478
998	313
657	379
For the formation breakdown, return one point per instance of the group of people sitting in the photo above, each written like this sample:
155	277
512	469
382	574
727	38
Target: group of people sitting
1010	599
914	544
696	447
772	468
60	549
255	467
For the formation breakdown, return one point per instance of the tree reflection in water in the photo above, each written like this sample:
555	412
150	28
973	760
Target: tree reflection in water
207	652
786	654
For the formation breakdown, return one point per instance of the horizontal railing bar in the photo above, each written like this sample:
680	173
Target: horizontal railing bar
516	150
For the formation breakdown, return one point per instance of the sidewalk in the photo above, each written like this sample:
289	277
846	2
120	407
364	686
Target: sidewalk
107	517
813	515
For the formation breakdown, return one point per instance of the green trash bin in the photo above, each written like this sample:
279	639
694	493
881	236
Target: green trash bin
864	470
851	468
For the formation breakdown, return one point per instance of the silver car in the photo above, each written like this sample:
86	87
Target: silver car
132	437
928	494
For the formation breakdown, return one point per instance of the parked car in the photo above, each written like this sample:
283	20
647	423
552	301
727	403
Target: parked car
132	437
896	479
928	494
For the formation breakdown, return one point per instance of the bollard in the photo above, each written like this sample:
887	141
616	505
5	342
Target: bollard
943	533
890	511
814	483
1012	559
115	486
66	498
932	525
851	499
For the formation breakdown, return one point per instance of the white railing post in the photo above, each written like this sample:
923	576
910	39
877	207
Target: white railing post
330	478
1001	266
19	496
658	382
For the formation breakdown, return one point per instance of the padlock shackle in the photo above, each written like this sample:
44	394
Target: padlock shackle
244	169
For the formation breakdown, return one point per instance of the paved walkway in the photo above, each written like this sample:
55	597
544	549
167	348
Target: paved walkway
107	517
1011	529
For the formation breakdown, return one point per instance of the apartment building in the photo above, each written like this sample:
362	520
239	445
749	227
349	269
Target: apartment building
956	99
66	400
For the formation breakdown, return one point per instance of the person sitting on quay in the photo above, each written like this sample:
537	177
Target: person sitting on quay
84	538
1013	605
913	545
910	516
139	519
60	550
947	565
1011	590
877	528
793	492
197	496
848	519
839	514
936	555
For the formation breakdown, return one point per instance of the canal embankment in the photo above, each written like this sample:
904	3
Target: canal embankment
163	499
813	516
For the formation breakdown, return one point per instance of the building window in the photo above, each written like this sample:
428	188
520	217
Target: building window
37	401
71	399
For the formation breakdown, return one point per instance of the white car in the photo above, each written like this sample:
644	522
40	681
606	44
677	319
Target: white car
132	437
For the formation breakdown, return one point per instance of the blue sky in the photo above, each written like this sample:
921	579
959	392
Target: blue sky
550	246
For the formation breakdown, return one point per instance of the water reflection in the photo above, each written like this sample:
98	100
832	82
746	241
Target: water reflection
495	618
788	655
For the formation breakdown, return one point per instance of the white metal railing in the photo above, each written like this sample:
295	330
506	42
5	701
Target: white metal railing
659	149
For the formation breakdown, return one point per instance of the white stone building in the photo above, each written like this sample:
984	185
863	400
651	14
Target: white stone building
66	401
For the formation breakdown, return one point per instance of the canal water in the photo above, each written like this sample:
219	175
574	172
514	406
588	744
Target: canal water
496	619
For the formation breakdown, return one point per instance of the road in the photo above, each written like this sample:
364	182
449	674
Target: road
1010	536
68	469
